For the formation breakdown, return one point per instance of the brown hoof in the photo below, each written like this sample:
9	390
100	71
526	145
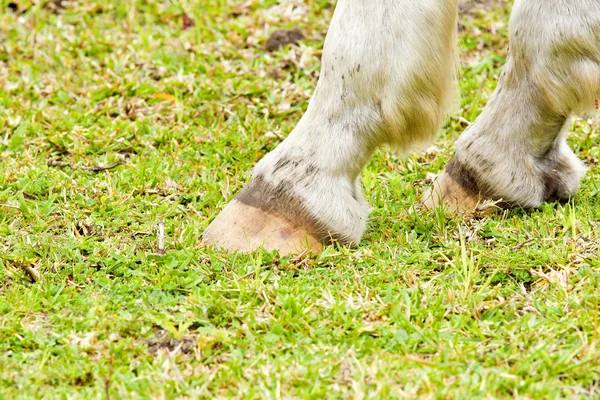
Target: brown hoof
449	193
245	228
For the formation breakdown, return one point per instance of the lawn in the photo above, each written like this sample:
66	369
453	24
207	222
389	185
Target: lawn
119	119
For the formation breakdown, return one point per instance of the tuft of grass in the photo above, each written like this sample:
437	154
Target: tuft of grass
429	306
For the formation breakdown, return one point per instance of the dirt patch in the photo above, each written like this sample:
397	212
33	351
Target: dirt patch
283	37
163	340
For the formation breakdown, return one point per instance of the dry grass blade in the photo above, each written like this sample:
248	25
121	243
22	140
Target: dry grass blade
161	237
11	206
94	168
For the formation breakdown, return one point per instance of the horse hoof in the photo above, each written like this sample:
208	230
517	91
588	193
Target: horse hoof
450	194
245	228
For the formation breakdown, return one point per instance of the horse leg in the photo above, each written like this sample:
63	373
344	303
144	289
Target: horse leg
387	78
516	151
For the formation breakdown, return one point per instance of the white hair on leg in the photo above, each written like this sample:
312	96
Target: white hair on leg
387	77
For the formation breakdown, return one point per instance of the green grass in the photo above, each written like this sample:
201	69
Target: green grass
429	306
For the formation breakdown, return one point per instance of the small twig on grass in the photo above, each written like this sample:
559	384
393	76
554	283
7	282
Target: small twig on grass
249	274
161	237
409	358
11	206
56	163
95	168
522	244
102	167
108	378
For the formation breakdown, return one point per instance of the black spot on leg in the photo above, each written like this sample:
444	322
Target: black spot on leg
552	183
311	170
462	176
484	164
281	163
253	198
556	180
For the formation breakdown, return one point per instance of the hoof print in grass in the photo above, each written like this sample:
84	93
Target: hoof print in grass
283	37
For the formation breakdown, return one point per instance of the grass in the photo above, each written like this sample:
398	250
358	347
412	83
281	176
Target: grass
429	306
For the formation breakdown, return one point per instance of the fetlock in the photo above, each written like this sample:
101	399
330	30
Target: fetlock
563	172
303	189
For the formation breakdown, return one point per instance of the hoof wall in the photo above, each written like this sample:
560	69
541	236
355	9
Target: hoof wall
447	192
244	228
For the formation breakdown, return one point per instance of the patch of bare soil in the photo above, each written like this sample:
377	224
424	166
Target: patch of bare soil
162	340
282	37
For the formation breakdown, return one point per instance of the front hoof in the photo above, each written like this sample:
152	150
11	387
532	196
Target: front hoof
244	228
270	216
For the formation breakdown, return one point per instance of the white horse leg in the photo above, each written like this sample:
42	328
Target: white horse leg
516	151
386	78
